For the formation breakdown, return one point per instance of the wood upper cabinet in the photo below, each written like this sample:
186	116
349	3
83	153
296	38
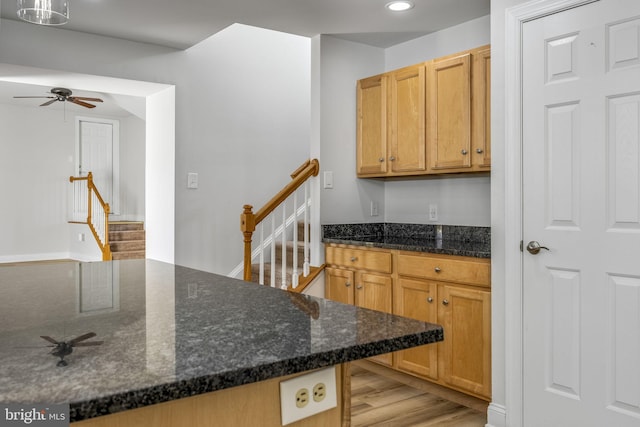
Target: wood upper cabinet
449	113
391	123
406	121
429	118
371	131
481	109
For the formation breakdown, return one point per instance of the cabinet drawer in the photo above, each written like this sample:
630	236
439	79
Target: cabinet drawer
448	269
361	259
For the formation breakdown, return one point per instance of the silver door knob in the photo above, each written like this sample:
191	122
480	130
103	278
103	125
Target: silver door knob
381	159
445	302
359	287
479	150
430	300
392	158
347	284
534	247
437	270
464	152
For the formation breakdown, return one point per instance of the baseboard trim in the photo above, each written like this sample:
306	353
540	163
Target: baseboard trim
496	416
35	257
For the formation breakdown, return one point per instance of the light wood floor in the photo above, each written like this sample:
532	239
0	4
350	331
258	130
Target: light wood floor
384	397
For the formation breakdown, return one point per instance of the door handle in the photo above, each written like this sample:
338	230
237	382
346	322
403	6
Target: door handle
534	247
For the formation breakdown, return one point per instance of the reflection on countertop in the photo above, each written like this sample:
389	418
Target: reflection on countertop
170	332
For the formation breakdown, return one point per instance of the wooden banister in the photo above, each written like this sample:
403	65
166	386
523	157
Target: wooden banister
105	247
249	220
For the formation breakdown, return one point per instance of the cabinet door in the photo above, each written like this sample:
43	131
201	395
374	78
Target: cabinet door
339	285
371	138
407	120
466	317
449	114
374	291
418	300
481	113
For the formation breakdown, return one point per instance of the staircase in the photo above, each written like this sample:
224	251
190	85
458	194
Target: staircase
283	215
291	246
127	239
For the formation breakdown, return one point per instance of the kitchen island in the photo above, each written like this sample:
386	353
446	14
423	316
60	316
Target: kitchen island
176	343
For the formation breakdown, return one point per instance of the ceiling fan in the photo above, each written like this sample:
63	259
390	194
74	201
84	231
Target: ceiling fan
63	94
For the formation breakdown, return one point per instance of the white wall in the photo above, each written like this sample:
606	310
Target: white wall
342	63
242	119
461	201
37	149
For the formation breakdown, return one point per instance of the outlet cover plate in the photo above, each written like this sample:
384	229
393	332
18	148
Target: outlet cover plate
288	389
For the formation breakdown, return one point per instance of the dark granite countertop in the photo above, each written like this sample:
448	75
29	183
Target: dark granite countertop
170	332
445	239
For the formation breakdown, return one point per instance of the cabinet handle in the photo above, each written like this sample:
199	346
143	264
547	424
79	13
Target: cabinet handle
464	152
430	300
354	259
445	302
392	158
479	150
347	284
358	286
437	270
381	159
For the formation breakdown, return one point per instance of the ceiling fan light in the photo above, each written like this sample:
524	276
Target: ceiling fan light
399	6
44	12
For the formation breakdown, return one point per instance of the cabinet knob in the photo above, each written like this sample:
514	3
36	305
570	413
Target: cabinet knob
437	270
445	302
354	259
381	159
392	158
347	284
464	152
358	286
479	150
430	300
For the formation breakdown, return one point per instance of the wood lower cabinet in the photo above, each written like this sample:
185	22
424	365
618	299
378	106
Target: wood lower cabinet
455	293
452	291
361	277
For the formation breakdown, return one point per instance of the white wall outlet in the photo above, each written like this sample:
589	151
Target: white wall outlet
433	212
307	395
328	180
81	237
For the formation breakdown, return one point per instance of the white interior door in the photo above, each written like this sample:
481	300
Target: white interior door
98	143
581	199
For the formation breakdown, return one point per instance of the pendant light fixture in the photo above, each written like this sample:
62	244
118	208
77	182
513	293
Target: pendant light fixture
44	12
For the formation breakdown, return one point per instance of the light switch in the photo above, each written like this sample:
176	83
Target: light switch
192	180
328	179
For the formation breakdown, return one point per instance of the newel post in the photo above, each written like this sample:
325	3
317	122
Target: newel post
247	226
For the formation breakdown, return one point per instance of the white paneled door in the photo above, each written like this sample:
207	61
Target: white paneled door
98	148
581	206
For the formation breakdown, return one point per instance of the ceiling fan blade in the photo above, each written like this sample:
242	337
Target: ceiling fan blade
87	344
84	98
51	340
34	97
84	104
49	102
82	338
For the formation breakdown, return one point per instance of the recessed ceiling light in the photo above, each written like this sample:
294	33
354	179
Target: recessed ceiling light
399	6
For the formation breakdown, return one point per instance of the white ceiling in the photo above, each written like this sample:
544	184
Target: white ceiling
182	24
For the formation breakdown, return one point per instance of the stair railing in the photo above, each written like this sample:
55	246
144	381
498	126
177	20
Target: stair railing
287	200
87	198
